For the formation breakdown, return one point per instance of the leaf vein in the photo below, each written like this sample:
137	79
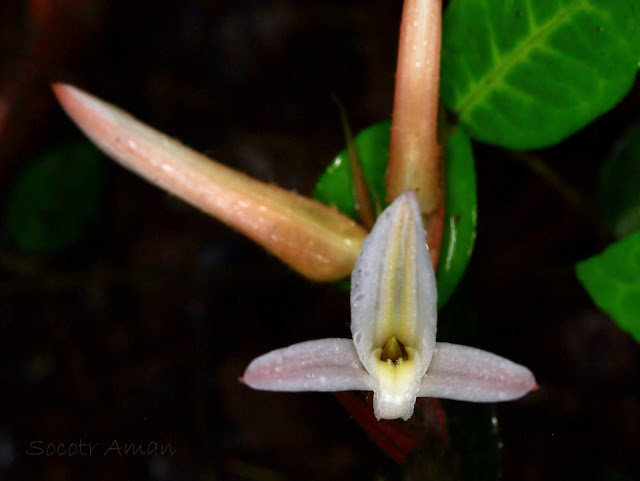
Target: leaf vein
499	70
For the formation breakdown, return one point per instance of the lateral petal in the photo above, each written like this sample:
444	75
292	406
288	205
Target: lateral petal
323	365
468	374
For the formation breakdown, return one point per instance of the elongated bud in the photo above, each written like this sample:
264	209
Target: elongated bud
413	151
315	240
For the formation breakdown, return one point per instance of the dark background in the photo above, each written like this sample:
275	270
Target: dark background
139	332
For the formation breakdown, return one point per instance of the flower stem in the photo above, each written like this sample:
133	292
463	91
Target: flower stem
414	152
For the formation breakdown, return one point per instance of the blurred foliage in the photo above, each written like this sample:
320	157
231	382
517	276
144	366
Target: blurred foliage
583	468
473	430
612	279
472	427
56	199
619	186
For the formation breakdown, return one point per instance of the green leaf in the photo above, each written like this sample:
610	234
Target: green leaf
54	200
334	188
461	218
612	279
619	186
527	73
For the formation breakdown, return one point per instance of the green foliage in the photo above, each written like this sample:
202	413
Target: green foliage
612	279
335	185
335	188
526	74
619	186
54	200
461	218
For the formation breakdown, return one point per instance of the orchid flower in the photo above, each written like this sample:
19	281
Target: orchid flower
393	297
394	352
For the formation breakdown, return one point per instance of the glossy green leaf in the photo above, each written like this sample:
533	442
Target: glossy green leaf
612	279
619	186
527	73
334	188
54	200
461	219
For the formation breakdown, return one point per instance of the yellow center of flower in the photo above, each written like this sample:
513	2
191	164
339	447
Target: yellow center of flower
394	352
395	365
396	370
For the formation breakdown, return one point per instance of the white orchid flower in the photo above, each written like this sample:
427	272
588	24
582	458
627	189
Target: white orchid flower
394	352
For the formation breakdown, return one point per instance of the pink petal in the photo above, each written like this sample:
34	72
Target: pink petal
469	374
322	365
